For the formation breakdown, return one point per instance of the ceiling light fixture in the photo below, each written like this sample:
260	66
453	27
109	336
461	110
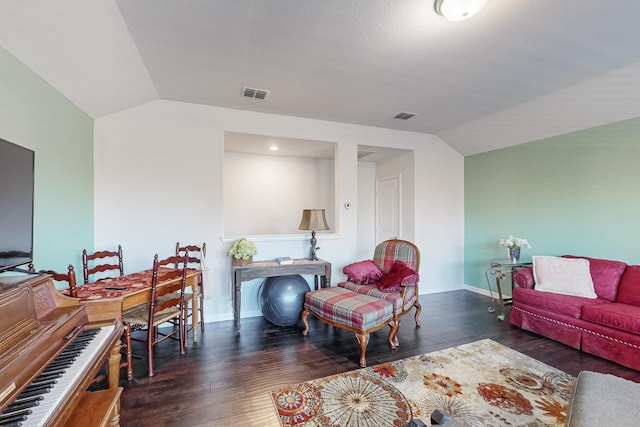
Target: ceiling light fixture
459	10
274	148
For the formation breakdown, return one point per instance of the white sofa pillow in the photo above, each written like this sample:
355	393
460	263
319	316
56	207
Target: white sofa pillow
568	276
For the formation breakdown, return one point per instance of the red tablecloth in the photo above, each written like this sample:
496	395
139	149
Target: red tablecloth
131	283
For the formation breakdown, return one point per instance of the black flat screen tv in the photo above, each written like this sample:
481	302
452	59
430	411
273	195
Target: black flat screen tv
16	205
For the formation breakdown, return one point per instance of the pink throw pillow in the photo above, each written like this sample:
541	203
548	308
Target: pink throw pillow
629	290
399	274
362	272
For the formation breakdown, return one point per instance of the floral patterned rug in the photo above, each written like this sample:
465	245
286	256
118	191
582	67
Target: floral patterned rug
482	383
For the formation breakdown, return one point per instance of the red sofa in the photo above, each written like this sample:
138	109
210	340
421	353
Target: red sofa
608	326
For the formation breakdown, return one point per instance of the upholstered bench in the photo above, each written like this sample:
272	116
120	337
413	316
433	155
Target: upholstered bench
350	310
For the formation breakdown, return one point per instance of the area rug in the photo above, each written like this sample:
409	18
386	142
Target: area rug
482	383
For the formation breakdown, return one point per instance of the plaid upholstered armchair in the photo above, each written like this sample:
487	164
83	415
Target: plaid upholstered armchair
391	275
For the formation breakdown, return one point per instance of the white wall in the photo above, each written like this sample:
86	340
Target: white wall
366	206
143	157
266	194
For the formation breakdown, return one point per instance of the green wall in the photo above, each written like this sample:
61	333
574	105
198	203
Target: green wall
572	194
35	115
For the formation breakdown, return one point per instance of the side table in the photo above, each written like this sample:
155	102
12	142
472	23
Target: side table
500	268
321	269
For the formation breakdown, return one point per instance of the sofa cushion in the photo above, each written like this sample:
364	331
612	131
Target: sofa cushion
615	315
363	272
629	290
567	305
395	298
348	308
605	274
563	276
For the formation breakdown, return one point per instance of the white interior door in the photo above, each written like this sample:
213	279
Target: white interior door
388	208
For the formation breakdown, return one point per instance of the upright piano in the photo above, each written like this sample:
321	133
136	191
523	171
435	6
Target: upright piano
52	347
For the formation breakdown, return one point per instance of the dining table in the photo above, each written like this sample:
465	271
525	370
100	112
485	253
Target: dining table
133	289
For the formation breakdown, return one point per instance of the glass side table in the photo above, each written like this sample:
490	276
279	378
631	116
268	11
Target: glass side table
500	268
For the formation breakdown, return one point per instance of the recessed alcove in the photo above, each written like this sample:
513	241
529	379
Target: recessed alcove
266	190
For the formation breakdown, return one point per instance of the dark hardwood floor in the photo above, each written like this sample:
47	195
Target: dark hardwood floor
224	380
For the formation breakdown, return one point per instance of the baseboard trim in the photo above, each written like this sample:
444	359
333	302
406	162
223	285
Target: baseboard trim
484	292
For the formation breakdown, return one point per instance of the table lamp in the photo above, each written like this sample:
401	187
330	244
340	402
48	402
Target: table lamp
313	219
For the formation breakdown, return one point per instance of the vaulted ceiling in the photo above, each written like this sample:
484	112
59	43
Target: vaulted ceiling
518	71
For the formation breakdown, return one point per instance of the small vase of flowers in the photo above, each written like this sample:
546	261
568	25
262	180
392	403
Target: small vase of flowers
242	252
513	244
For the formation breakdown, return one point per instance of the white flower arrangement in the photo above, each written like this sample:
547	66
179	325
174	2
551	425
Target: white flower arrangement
514	242
243	249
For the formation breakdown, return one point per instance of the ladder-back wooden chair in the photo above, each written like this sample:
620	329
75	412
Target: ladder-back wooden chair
165	305
101	262
69	277
196	259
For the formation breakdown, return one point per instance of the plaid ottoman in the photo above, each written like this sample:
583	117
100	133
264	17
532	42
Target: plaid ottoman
350	310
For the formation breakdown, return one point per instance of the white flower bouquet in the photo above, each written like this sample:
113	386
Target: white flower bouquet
514	242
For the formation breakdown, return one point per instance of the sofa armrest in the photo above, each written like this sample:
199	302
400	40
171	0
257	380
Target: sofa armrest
524	277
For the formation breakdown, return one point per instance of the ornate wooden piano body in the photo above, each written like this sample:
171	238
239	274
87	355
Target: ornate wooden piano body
36	324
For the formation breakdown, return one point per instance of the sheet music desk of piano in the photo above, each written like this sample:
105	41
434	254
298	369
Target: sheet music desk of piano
37	324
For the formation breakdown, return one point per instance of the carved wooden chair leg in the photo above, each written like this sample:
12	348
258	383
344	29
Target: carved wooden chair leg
185	329
393	333
182	336
304	316
201	310
363	340
150	342
418	311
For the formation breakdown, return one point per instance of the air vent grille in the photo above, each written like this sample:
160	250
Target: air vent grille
404	116
251	92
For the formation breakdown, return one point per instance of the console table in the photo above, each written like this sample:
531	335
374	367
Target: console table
500	268
320	269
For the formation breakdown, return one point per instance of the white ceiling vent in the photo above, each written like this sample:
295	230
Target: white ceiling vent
404	116
251	92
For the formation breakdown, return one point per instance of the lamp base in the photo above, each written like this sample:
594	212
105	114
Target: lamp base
312	251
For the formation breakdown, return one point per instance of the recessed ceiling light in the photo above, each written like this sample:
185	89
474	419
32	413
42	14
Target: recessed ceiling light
458	10
274	148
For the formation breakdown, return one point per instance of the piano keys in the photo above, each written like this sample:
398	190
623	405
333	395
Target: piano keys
50	388
42	334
